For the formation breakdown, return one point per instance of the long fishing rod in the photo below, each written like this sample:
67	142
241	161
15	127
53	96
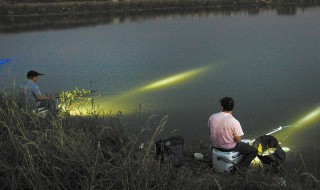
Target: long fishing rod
271	132
278	129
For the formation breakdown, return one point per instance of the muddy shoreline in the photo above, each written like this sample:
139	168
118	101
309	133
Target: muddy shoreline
20	17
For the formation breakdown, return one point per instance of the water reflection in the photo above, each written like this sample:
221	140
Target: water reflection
287	10
254	11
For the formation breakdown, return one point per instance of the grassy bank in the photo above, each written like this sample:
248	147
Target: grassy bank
98	153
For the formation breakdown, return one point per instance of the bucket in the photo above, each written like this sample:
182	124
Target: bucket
222	162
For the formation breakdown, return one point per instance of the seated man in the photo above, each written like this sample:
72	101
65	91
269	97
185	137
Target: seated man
226	132
32	94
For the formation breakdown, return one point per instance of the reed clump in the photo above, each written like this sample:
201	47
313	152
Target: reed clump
89	152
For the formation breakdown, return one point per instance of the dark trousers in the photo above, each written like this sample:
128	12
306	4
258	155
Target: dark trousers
248	151
50	105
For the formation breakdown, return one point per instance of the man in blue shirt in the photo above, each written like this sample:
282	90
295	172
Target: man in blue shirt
33	95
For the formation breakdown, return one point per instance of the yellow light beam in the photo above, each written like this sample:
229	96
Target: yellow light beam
122	101
159	84
165	82
174	79
310	118
303	122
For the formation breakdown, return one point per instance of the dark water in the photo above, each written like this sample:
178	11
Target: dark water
269	61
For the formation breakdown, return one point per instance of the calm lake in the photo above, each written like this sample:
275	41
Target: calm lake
267	60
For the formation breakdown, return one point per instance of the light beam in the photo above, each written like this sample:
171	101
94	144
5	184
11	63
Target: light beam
168	81
308	119
122	101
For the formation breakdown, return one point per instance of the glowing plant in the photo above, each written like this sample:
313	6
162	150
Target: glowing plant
71	99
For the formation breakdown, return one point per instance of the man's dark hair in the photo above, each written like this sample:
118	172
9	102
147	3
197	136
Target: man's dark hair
227	103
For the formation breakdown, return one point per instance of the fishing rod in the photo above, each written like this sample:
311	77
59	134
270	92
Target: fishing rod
271	132
278	129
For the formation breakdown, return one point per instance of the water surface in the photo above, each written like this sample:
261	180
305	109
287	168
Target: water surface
268	62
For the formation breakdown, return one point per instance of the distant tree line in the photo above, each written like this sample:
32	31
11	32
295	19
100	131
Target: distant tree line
165	2
45	7
47	1
215	1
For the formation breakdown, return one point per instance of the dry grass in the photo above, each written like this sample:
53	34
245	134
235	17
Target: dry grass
98	153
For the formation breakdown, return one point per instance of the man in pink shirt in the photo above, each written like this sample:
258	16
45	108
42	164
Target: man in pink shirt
226	132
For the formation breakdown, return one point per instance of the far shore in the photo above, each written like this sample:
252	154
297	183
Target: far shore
26	15
32	7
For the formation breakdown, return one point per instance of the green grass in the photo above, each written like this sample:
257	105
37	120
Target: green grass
99	153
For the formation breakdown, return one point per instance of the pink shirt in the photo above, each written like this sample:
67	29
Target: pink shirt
223	127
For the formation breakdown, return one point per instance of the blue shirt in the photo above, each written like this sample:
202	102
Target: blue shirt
31	91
